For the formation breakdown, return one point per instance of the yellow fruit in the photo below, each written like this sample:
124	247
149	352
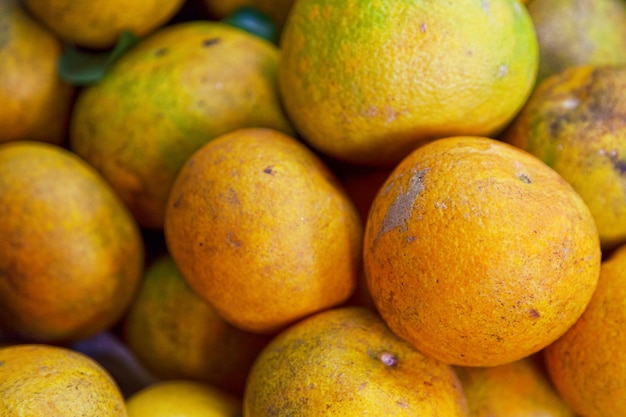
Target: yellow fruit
478	253
516	389
169	95
35	102
574	123
52	381
588	364
367	82
176	334
346	362
71	255
98	24
181	398
262	230
578	32
277	10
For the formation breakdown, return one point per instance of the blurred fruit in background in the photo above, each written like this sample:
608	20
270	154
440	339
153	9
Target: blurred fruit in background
181	398
516	389
261	228
346	362
574	122
177	335
36	103
277	10
578	32
53	381
98	23
588	364
368	82
170	94
71	255
478	253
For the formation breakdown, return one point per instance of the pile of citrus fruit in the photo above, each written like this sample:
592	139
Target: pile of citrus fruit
313	208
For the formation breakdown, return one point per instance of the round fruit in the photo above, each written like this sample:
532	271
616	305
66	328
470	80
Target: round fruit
368	82
574	123
71	255
571	33
35	101
346	362
478	253
166	97
52	381
516	389
262	230
176	334
588	364
98	24
181	398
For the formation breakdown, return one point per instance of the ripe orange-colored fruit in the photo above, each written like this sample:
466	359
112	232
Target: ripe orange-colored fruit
346	362
262	230
516	389
170	94
71	255
182	398
367	82
35	101
574	123
571	33
176	334
588	364
53	381
98	24
478	253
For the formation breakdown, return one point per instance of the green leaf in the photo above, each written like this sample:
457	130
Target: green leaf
253	21
81	68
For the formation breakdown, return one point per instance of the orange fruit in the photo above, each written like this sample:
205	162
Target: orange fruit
367	82
571	33
516	389
71	255
574	123
176	334
98	24
36	103
478	253
346	362
170	94
53	381
262	230
276	10
588	364
182	398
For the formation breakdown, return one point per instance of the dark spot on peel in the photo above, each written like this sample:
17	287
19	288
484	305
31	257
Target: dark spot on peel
268	169
524	178
160	52
178	201
389	359
534	314
210	42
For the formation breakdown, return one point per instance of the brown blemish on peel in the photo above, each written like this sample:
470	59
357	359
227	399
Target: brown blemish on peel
401	209
210	41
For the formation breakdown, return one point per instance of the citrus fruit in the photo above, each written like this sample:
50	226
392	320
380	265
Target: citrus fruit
176	334
478	253
182	398
367	82
346	362
71	255
53	381
262	230
36	103
574	123
588	364
276	10
98	24
578	32
171	93
516	389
